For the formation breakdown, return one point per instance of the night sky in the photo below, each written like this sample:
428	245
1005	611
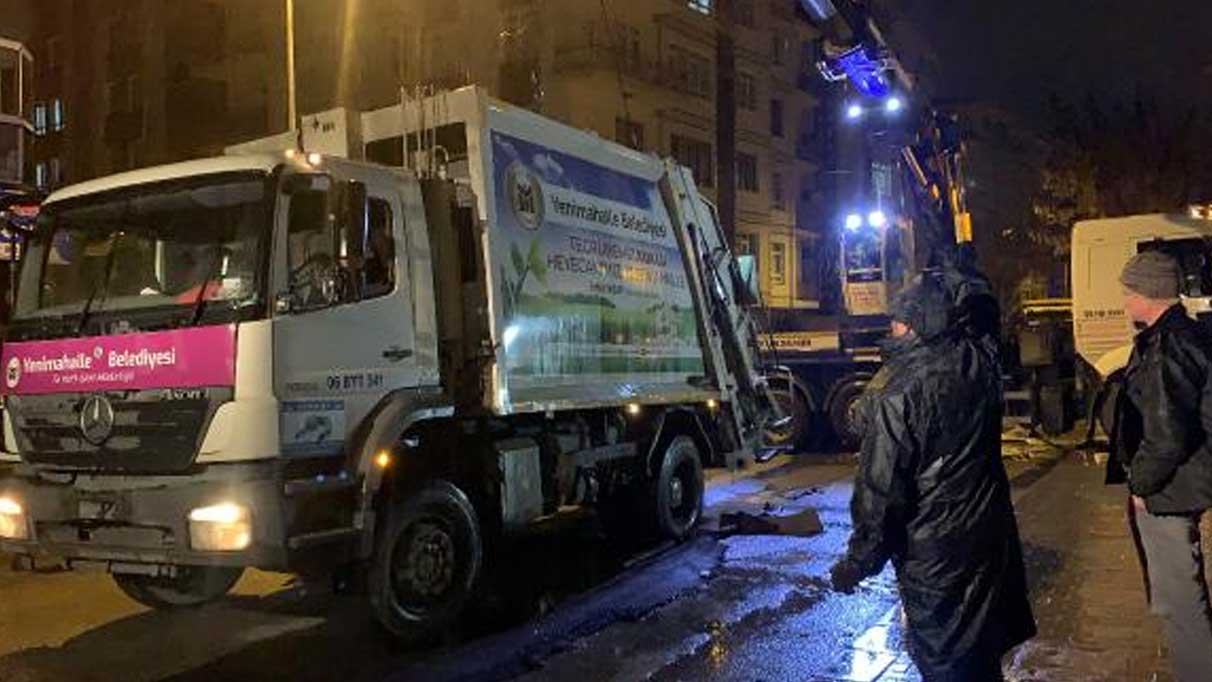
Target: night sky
1012	53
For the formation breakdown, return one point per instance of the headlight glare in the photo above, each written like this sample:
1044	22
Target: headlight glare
225	527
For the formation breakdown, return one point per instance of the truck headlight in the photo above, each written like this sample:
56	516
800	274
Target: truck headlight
225	527
14	525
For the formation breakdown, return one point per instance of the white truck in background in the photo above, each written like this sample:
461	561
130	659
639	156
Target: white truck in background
1100	248
299	362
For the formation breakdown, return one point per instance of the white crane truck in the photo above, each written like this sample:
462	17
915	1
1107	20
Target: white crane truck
297	361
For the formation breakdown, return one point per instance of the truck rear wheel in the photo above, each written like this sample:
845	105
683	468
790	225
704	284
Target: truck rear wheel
677	491
426	563
192	586
843	417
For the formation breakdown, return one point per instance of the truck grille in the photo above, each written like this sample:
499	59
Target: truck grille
154	431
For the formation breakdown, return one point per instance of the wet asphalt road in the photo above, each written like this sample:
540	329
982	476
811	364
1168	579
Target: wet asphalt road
720	607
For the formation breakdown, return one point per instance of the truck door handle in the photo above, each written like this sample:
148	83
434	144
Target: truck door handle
396	354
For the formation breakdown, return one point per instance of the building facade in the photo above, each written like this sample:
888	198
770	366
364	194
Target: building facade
140	82
16	92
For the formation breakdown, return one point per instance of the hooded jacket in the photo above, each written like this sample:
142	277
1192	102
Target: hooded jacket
932	496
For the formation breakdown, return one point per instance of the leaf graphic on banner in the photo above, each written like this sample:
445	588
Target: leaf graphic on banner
537	265
519	264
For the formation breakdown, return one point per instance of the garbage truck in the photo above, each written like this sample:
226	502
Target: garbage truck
302	362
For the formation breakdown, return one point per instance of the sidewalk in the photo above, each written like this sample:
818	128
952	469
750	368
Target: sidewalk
1086	584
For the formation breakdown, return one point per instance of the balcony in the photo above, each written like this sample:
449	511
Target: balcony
196	112
122	127
808	149
124	56
196	32
591	57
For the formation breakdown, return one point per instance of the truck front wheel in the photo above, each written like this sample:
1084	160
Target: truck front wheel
426	563
678	489
191	586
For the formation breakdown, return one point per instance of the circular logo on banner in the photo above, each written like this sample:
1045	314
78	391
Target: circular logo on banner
525	195
97	419
12	374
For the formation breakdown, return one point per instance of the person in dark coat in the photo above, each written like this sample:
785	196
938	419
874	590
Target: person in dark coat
932	496
1162	447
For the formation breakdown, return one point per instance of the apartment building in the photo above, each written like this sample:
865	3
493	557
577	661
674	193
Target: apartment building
130	83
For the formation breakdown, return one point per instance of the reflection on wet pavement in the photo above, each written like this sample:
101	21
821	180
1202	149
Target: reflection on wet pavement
724	606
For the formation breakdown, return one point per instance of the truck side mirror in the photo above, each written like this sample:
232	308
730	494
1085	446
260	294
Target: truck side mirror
745	282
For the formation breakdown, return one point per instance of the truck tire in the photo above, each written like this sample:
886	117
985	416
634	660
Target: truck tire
798	433
1108	396
842	418
1054	412
426	563
677	490
192	586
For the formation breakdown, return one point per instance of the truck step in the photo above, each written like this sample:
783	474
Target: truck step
320	537
317	484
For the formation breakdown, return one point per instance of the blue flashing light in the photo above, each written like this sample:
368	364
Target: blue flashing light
865	71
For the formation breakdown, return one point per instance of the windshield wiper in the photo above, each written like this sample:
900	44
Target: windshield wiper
200	303
86	311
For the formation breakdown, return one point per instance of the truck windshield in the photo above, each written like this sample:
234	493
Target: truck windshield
180	246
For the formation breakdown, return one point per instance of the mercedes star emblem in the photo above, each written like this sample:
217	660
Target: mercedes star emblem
97	419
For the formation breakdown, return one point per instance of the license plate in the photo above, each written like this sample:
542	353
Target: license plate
100	510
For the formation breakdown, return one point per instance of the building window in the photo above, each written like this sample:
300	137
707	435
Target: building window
778	197
692	72
776	117
701	6
55	172
628	132
10	97
58	120
779	48
809	288
808	57
746	92
778	263
40	175
746	172
54	47
40	118
747	245
696	156
744	12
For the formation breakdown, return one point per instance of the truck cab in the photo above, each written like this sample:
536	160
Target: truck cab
185	329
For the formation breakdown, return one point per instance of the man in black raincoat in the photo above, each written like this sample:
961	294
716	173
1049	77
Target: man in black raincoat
931	493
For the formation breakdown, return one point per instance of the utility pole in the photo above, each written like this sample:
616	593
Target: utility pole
292	113
725	119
